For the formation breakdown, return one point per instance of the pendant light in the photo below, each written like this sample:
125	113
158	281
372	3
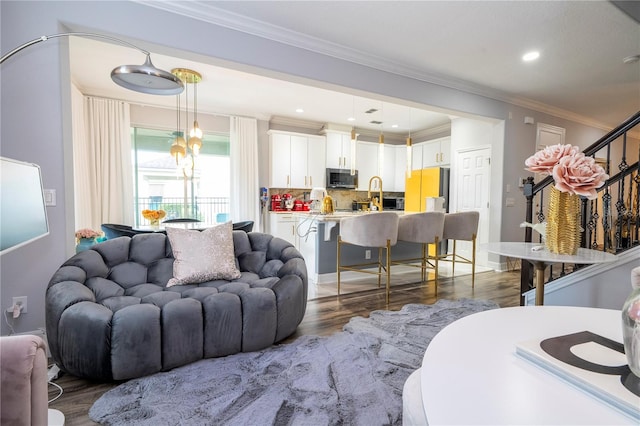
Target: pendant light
409	150
352	151
353	144
178	150
381	144
195	134
191	148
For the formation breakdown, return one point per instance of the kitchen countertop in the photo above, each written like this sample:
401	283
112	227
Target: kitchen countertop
331	217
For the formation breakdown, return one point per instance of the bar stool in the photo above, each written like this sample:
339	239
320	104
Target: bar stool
423	228
462	226
377	230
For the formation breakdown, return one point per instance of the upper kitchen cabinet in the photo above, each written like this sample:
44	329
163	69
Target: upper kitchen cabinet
436	152
367	165
293	160
400	169
338	150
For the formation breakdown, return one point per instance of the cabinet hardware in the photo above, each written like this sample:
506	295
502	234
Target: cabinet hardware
288	180
310	180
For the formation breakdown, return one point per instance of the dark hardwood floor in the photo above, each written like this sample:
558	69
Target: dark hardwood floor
325	316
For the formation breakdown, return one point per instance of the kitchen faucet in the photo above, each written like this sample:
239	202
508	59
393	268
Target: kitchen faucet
375	200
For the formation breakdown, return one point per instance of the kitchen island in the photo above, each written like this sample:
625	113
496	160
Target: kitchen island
316	236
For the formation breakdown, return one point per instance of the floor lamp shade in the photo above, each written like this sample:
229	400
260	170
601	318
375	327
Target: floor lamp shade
145	78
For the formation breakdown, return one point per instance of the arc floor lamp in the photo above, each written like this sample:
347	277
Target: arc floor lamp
145	78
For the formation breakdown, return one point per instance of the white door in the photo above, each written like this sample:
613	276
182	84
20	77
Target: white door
473	184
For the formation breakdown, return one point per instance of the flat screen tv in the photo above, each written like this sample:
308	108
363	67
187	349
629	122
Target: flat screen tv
23	215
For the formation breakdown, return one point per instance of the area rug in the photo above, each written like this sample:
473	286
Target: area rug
353	377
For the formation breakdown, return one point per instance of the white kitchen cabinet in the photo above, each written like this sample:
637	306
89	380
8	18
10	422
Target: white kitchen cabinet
400	168
283	225
338	154
296	160
389	168
316	168
367	165
436	153
416	157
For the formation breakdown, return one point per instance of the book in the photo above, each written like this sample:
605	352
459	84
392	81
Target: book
590	362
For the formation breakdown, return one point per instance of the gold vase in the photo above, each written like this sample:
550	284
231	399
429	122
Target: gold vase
563	223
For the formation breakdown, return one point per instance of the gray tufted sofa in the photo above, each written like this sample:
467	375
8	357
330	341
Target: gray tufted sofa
110	315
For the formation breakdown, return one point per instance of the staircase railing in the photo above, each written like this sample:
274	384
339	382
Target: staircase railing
610	222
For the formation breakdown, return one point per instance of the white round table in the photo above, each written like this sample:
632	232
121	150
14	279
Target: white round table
471	374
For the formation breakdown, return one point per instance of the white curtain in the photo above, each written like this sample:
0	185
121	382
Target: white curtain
102	164
245	196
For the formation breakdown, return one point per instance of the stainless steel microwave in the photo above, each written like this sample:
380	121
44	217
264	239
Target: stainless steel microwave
341	179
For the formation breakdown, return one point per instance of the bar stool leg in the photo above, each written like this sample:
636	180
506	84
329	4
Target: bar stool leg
379	266
435	263
338	263
473	262
388	269
453	260
423	269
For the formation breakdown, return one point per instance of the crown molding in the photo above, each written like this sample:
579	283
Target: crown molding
281	123
207	12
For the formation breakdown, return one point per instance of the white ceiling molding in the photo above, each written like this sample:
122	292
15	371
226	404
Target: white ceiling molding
207	12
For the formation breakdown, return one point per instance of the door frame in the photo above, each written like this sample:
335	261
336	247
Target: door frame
483	237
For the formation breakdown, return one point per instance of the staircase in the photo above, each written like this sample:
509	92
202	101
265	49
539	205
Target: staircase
611	222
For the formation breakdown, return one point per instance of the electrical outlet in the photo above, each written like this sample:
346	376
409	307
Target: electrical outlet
367	254
22	300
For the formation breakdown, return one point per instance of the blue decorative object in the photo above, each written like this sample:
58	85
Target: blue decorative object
84	244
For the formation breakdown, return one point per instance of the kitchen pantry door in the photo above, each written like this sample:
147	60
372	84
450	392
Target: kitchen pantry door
473	183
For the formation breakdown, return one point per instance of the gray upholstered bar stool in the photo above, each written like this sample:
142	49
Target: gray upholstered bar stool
423	228
462	226
377	230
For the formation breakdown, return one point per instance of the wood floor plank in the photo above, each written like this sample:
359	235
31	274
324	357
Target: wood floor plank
325	316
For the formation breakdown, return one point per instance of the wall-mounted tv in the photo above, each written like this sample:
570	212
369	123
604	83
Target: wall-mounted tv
23	215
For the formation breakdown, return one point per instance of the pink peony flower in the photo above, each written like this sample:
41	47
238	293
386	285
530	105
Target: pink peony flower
578	174
546	159
87	233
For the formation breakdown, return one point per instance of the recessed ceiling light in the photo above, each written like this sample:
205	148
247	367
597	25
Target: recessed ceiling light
395	126
531	56
299	110
351	119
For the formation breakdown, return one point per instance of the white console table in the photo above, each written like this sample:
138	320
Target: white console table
471	375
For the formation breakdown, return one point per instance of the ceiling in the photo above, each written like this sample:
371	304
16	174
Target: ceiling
471	45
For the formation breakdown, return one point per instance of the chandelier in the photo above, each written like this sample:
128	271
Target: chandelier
188	141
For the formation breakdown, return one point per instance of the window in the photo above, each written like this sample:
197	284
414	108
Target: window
161	184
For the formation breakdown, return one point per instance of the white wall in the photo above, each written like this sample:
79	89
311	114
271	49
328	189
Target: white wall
36	107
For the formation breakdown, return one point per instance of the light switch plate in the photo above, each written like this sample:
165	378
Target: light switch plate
49	197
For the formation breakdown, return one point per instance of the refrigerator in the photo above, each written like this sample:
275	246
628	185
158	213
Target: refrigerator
424	183
427	184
